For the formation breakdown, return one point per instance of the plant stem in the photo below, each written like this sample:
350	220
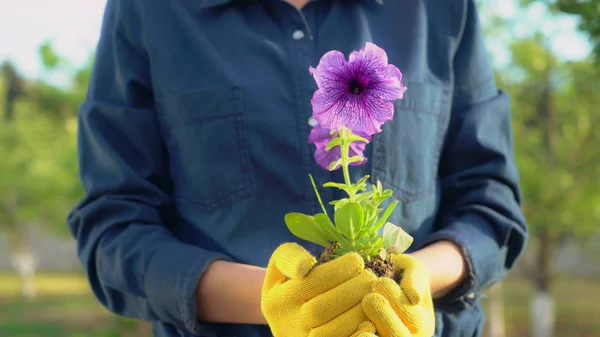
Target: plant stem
312	180
345	149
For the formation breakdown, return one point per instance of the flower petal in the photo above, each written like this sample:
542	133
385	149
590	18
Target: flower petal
361	134
330	71
358	163
393	71
356	94
325	158
357	149
358	113
319	136
378	113
371	57
326	106
388	87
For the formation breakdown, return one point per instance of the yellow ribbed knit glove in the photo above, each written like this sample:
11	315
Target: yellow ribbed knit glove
365	329
404	310
325	302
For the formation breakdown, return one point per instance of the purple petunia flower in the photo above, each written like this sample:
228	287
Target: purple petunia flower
321	137
356	93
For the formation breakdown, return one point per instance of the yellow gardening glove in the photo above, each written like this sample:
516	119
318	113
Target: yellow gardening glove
365	329
404	310
323	303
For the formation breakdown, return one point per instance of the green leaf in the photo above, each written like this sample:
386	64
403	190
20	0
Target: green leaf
49	57
379	195
333	143
378	243
356	159
332	184
335	164
396	239
329	230
387	193
305	227
349	219
375	246
371	212
343	250
340	203
361	185
363	196
336	202
363	180
385	216
355	138
364	242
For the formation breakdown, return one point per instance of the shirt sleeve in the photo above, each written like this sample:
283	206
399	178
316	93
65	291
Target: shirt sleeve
135	265
480	197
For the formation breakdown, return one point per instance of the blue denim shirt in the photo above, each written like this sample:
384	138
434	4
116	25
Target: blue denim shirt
193	145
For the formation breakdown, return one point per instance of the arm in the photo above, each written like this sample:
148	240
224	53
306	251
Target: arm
446	265
136	267
221	299
481	230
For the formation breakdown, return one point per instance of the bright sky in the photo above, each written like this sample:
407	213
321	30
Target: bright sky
567	41
73	27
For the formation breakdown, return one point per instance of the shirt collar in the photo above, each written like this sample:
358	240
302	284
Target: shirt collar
213	3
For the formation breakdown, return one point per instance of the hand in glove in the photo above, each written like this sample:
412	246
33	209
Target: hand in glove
404	310
300	301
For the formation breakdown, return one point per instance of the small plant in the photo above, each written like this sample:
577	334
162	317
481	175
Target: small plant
352	102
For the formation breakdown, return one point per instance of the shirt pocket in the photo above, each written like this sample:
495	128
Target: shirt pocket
208	151
406	154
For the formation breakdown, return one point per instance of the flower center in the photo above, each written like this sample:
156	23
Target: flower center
356	88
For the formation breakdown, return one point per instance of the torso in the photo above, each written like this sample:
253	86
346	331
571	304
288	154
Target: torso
233	97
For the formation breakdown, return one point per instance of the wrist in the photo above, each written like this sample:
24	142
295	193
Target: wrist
230	292
446	265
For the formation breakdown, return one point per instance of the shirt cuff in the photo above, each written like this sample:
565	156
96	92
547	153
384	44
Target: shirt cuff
171	282
483	255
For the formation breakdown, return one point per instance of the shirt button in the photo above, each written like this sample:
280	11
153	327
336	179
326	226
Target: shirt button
298	35
312	122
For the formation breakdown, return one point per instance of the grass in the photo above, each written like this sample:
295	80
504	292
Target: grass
53	316
576	302
66	308
46	284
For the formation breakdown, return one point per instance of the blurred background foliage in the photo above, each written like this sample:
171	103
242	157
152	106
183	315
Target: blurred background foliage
588	12
556	121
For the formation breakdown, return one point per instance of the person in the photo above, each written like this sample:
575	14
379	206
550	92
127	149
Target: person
193	146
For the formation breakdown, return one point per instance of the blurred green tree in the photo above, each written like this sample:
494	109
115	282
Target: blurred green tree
13	89
557	129
556	122
38	171
588	13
